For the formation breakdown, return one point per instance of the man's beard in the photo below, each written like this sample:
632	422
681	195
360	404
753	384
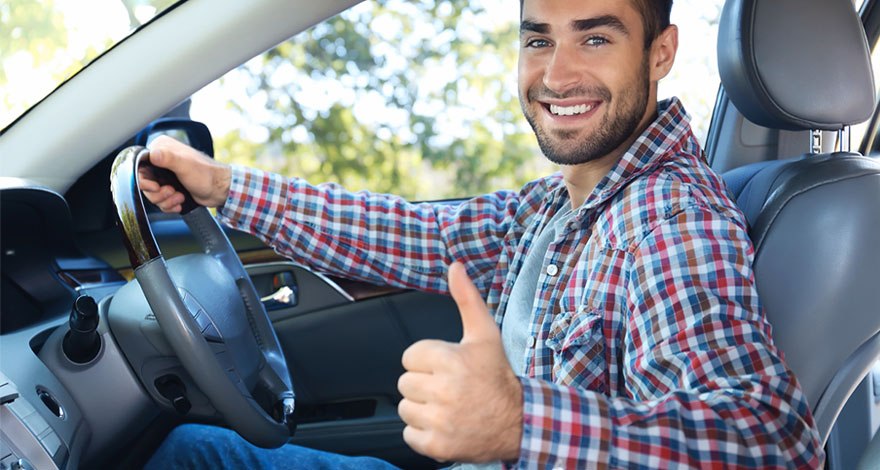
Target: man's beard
612	130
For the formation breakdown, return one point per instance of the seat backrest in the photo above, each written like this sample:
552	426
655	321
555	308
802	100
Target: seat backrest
814	219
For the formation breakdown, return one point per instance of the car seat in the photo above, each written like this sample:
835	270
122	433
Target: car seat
814	219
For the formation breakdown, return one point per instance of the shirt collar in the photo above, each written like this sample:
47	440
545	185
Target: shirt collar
667	134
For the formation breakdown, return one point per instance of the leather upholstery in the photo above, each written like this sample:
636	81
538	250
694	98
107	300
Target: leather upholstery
814	219
796	64
817	267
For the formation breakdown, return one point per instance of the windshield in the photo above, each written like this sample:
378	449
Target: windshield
45	42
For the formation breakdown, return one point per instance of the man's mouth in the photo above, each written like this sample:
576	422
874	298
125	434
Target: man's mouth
571	110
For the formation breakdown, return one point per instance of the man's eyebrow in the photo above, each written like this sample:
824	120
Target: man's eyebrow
540	28
610	21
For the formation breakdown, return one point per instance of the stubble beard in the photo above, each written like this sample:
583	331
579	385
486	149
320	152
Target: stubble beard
611	132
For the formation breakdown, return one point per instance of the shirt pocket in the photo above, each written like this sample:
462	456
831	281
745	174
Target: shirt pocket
578	345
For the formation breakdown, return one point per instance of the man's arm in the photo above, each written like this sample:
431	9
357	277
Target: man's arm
706	386
377	238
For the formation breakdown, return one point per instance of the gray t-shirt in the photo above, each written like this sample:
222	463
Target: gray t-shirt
515	327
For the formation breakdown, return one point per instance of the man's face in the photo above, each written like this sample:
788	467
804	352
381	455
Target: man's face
584	76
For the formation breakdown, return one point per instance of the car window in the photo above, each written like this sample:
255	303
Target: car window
43	43
412	98
858	132
864	136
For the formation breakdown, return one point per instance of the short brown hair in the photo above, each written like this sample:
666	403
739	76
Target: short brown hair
655	17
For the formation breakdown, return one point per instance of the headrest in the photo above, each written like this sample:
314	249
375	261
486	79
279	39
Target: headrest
796	64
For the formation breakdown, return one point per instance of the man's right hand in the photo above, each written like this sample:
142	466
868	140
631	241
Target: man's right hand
206	179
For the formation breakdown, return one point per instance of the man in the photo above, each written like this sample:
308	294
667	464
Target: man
631	335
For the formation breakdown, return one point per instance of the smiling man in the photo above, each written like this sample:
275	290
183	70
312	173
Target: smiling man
621	327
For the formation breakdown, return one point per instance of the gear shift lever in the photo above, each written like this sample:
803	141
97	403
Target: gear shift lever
82	343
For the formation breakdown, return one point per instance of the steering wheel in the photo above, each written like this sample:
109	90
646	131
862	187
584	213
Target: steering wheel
212	316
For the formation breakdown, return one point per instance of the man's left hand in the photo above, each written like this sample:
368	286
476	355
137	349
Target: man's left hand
461	401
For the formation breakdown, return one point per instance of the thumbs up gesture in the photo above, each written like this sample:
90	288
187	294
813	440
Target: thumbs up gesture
461	401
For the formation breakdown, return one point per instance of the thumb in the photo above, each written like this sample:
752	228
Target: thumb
476	321
164	150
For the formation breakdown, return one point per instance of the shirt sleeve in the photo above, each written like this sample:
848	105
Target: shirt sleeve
372	237
705	387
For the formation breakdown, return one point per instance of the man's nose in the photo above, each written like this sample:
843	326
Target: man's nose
562	73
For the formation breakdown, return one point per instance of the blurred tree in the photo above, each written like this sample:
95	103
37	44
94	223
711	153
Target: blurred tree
35	27
47	47
405	74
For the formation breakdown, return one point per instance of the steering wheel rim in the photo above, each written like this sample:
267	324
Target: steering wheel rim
229	388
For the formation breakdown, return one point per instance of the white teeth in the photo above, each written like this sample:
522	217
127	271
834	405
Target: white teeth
570	110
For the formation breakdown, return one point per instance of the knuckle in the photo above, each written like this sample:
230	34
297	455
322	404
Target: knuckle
415	355
403	410
413	440
408	357
408	437
402	383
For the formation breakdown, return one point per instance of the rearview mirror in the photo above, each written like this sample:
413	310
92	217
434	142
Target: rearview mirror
193	133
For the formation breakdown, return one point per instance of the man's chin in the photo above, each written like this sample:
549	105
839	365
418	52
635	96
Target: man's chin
577	149
566	155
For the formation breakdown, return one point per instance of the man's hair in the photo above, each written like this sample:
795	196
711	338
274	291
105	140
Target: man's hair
655	17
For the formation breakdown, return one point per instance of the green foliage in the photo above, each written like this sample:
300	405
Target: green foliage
388	53
32	26
49	47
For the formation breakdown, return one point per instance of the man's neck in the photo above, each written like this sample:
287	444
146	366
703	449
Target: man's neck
581	179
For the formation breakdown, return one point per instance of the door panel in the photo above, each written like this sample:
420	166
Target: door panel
343	341
344	357
308	291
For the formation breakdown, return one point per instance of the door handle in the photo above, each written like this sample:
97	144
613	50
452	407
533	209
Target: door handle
284	292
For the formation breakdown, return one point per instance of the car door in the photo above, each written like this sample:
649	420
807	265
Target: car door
343	339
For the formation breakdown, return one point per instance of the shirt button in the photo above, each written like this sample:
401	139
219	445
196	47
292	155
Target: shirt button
552	270
530	342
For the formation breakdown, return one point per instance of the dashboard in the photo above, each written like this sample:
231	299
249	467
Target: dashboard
60	414
112	410
45	397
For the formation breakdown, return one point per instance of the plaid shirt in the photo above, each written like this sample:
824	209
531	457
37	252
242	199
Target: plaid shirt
648	347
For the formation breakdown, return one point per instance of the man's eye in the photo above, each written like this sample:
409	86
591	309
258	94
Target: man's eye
537	43
596	41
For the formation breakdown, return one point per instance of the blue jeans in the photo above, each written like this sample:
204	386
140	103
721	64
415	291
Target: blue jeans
196	446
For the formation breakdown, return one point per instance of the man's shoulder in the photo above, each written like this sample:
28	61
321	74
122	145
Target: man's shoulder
679	182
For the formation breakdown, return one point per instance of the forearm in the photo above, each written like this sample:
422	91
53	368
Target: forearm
762	424
373	237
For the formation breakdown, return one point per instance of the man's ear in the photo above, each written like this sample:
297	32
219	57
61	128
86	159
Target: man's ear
663	51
